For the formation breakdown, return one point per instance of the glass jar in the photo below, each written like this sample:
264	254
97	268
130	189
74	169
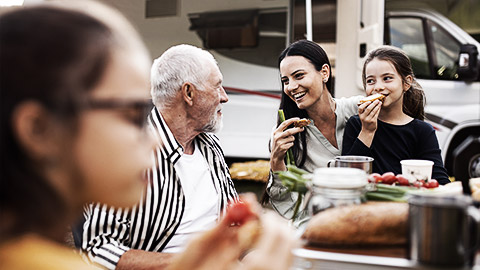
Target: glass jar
332	187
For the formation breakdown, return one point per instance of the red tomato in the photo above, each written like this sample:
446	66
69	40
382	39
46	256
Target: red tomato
432	183
418	184
389	178
402	180
374	178
239	213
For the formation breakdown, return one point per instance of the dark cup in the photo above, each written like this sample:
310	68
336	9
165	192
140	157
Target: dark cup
444	231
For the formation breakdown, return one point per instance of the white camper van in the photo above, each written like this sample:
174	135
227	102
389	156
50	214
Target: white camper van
444	57
247	36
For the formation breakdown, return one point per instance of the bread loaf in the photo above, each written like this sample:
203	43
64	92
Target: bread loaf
371	223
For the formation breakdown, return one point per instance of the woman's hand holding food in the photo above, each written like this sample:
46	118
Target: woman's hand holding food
368	113
283	138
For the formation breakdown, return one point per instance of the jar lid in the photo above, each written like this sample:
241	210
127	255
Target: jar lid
337	177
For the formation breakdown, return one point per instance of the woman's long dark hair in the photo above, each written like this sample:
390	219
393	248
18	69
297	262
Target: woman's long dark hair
52	56
315	54
414	98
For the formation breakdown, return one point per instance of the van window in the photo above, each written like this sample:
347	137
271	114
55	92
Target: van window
446	51
251	36
408	35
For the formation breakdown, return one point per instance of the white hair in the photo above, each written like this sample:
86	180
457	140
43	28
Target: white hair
176	66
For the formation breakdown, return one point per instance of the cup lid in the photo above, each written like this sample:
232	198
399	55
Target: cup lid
339	177
416	162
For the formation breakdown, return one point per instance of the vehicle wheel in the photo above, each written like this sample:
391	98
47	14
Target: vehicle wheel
474	166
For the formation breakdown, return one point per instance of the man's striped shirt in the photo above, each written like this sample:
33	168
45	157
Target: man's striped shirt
109	232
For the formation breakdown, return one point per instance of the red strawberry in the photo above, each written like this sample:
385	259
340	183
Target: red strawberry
402	180
374	178
389	178
239	213
432	183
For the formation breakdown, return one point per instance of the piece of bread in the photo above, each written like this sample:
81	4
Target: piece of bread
371	223
371	98
476	195
249	233
301	123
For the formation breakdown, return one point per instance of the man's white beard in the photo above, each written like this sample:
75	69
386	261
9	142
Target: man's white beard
216	123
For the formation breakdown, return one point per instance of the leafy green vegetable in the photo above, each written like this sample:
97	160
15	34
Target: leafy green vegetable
289	156
384	192
295	179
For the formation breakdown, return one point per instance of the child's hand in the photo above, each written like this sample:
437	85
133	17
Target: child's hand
368	113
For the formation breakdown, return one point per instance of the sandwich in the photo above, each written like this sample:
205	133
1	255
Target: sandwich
301	123
371	98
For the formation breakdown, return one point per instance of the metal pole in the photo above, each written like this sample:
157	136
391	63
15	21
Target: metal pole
308	16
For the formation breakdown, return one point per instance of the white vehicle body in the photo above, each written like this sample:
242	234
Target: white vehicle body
453	105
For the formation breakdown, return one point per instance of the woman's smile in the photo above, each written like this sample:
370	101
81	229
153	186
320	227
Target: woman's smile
299	96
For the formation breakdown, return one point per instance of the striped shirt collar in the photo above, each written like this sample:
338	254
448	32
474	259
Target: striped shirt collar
171	147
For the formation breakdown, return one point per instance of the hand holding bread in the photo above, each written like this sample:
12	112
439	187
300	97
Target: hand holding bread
243	227
371	98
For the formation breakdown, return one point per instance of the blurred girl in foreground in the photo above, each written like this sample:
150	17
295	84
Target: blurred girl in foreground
74	100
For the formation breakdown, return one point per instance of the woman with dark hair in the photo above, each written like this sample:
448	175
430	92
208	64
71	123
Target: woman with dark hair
307	93
74	103
392	130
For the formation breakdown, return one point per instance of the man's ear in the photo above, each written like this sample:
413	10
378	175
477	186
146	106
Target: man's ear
407	83
188	92
36	130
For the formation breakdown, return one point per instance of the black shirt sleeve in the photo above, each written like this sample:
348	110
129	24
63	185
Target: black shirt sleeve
428	149
351	144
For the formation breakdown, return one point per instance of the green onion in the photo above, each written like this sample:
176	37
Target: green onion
385	192
294	181
289	156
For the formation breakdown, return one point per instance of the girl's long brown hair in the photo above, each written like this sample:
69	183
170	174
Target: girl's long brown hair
414	98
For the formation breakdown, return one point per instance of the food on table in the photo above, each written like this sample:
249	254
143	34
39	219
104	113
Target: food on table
476	195
250	170
371	223
385	192
475	188
390	178
371	98
301	123
295	179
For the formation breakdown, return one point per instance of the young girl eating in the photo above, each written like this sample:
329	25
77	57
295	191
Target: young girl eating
393	129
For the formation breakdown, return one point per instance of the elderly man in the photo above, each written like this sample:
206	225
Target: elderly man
189	184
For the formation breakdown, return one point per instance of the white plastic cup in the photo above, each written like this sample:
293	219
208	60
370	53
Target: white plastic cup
417	169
